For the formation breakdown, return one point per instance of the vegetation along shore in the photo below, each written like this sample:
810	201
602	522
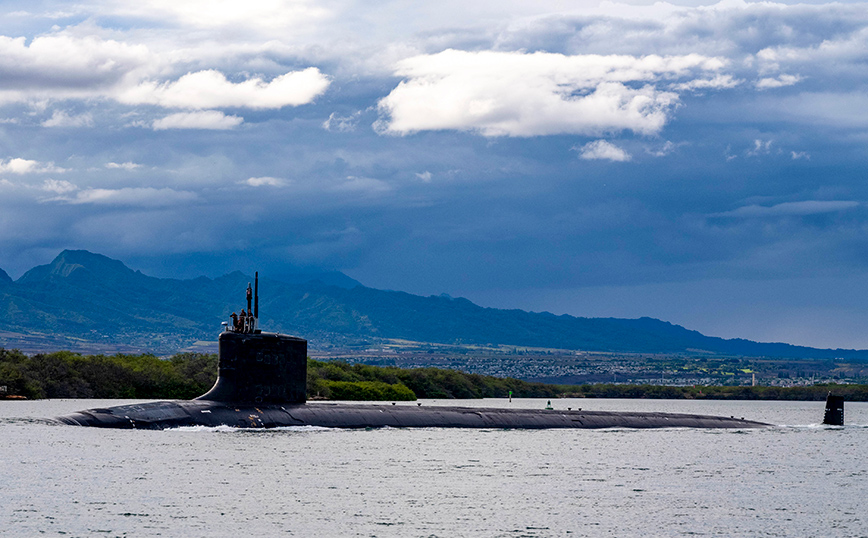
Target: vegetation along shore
65	374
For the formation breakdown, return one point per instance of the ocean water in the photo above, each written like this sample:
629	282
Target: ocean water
795	479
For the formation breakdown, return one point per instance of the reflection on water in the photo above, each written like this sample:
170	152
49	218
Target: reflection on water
798	480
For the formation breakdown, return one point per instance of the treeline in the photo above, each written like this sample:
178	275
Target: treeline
327	379
65	374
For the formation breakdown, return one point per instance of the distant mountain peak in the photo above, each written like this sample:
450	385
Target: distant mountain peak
74	263
4	277
88	259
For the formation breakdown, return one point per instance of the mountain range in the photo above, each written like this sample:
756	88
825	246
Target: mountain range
88	301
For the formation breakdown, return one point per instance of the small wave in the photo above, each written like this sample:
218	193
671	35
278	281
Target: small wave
232	429
220	429
302	428
823	426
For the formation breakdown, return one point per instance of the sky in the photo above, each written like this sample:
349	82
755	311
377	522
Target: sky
703	163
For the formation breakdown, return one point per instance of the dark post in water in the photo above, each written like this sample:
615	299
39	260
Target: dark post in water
834	410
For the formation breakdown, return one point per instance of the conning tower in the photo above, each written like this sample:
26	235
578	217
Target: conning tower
258	367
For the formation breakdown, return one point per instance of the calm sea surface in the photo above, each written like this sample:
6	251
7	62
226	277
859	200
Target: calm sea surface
797	479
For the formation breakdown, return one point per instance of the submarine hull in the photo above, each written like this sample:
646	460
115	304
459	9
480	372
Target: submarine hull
162	415
262	383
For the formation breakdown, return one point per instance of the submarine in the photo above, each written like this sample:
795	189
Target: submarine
262	383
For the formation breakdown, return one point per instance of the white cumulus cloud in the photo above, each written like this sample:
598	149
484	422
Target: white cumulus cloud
123	166
777	82
211	89
27	166
67	66
519	94
206	119
603	150
264	181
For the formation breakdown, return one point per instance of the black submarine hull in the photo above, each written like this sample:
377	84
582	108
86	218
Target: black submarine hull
163	415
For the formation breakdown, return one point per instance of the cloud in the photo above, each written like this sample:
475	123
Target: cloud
58	191
363	184
667	148
264	14
342	124
58	186
65	65
207	119
718	82
827	39
603	150
760	147
800	155
143	196
519	94
123	166
211	89
787	209
264	181
424	176
837	109
777	82
26	166
62	119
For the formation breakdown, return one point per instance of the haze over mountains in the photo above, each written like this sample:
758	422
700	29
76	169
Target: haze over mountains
87	301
